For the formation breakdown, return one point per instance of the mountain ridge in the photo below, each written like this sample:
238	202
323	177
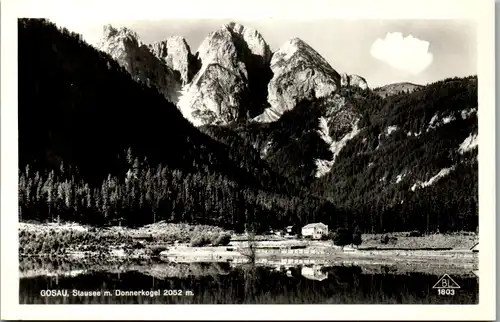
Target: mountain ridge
396	88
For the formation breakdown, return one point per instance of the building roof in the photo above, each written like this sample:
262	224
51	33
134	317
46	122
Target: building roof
315	225
314	273
316	278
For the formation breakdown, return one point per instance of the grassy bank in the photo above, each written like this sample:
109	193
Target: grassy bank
66	239
457	241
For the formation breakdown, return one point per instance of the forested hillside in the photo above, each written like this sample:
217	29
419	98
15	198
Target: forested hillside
96	146
414	163
291	144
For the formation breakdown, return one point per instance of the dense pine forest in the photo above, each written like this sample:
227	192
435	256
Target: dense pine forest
97	147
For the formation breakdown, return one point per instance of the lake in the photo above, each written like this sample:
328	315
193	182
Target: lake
221	283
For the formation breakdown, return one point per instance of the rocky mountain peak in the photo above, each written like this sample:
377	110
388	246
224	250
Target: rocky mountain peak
218	48
250	39
126	48
299	72
296	46
116	34
232	80
176	54
115	41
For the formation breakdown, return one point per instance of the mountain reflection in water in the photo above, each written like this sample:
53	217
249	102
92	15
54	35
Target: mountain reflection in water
221	283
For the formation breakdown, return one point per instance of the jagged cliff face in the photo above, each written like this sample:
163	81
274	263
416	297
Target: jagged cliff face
214	95
353	80
228	85
125	47
235	44
176	54
299	72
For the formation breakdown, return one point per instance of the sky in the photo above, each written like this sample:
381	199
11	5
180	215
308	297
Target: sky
382	51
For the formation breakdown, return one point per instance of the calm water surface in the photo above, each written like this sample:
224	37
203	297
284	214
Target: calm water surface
209	283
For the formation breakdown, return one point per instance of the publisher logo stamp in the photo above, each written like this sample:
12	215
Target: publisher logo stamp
446	285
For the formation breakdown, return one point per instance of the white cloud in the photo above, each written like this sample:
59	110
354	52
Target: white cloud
405	53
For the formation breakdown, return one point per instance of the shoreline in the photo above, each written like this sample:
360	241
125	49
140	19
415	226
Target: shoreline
170	243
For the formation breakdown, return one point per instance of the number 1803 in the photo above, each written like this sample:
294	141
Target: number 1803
446	291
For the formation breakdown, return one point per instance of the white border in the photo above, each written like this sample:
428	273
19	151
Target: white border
482	11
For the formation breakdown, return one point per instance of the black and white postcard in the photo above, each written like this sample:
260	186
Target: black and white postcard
279	153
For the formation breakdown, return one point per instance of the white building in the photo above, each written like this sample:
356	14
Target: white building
314	273
315	230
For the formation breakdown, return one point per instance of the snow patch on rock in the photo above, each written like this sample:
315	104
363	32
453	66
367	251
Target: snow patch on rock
468	144
391	129
337	146
324	166
435	122
265	150
323	131
448	119
400	177
416	134
442	173
468	112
